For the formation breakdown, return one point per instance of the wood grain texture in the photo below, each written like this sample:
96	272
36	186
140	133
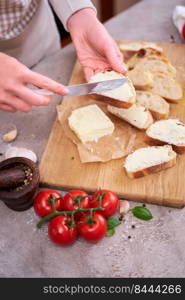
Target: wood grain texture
61	167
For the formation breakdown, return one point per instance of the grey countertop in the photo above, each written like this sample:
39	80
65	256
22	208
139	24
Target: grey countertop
155	248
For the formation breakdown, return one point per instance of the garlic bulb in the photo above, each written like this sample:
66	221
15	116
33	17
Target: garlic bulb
10	136
124	207
20	152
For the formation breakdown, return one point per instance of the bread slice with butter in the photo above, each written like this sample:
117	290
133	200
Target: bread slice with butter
158	107
147	160
171	131
136	115
90	123
123	96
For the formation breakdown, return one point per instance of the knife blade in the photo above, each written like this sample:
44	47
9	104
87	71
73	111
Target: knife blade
88	88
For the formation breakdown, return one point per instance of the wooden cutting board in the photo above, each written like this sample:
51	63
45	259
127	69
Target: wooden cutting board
61	168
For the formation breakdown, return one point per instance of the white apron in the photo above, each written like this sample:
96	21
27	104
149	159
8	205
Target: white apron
39	39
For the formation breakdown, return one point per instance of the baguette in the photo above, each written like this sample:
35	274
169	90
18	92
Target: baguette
124	96
136	46
136	115
170	131
167	87
147	160
158	107
141	78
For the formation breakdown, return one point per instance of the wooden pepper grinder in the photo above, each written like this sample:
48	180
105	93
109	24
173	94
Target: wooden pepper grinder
19	180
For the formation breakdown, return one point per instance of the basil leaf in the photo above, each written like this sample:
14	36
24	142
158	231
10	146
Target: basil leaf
142	213
112	222
110	232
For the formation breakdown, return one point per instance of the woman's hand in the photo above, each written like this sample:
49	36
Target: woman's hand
14	93
96	49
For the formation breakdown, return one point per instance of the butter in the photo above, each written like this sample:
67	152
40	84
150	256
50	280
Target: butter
123	92
149	156
171	131
136	115
90	123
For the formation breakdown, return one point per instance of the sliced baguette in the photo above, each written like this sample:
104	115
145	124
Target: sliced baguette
170	131
123	96
136	46
147	160
167	87
158	107
136	115
148	55
141	78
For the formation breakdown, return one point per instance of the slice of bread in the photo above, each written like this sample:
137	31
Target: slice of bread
147	160
136	115
146	54
158	107
136	46
124	96
170	131
141	78
154	65
167	87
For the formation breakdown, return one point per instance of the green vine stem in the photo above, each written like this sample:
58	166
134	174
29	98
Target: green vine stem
71	212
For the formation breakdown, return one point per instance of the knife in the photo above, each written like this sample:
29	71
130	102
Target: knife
87	88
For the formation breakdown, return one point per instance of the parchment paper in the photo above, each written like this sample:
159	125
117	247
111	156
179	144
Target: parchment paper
119	144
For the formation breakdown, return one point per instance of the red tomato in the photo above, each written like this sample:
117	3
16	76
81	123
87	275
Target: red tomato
71	199
42	203
109	200
92	231
60	232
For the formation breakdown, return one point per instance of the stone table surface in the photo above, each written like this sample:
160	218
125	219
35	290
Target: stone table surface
152	249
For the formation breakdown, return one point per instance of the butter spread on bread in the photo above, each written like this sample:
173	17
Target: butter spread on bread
136	115
170	131
147	160
123	96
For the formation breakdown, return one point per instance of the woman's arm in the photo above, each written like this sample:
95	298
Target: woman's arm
96	49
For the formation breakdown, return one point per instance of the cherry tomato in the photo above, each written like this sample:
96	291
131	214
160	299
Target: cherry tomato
42	203
92	229
60	230
109	202
71	200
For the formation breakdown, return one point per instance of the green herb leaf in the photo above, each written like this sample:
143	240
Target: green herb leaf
112	222
110	232
142	213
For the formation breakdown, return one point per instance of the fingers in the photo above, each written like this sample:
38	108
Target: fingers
88	73
115	58
7	107
45	83
17	103
31	97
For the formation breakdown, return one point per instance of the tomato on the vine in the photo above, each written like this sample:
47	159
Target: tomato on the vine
62	230
73	199
109	202
92	228
43	202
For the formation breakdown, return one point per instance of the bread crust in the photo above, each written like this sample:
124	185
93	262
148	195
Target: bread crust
147	124
155	142
152	169
113	101
157	115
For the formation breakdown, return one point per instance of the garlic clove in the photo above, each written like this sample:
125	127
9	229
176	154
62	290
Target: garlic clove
10	136
20	152
124	207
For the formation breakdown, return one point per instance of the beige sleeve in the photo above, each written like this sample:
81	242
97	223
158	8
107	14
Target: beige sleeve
65	8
